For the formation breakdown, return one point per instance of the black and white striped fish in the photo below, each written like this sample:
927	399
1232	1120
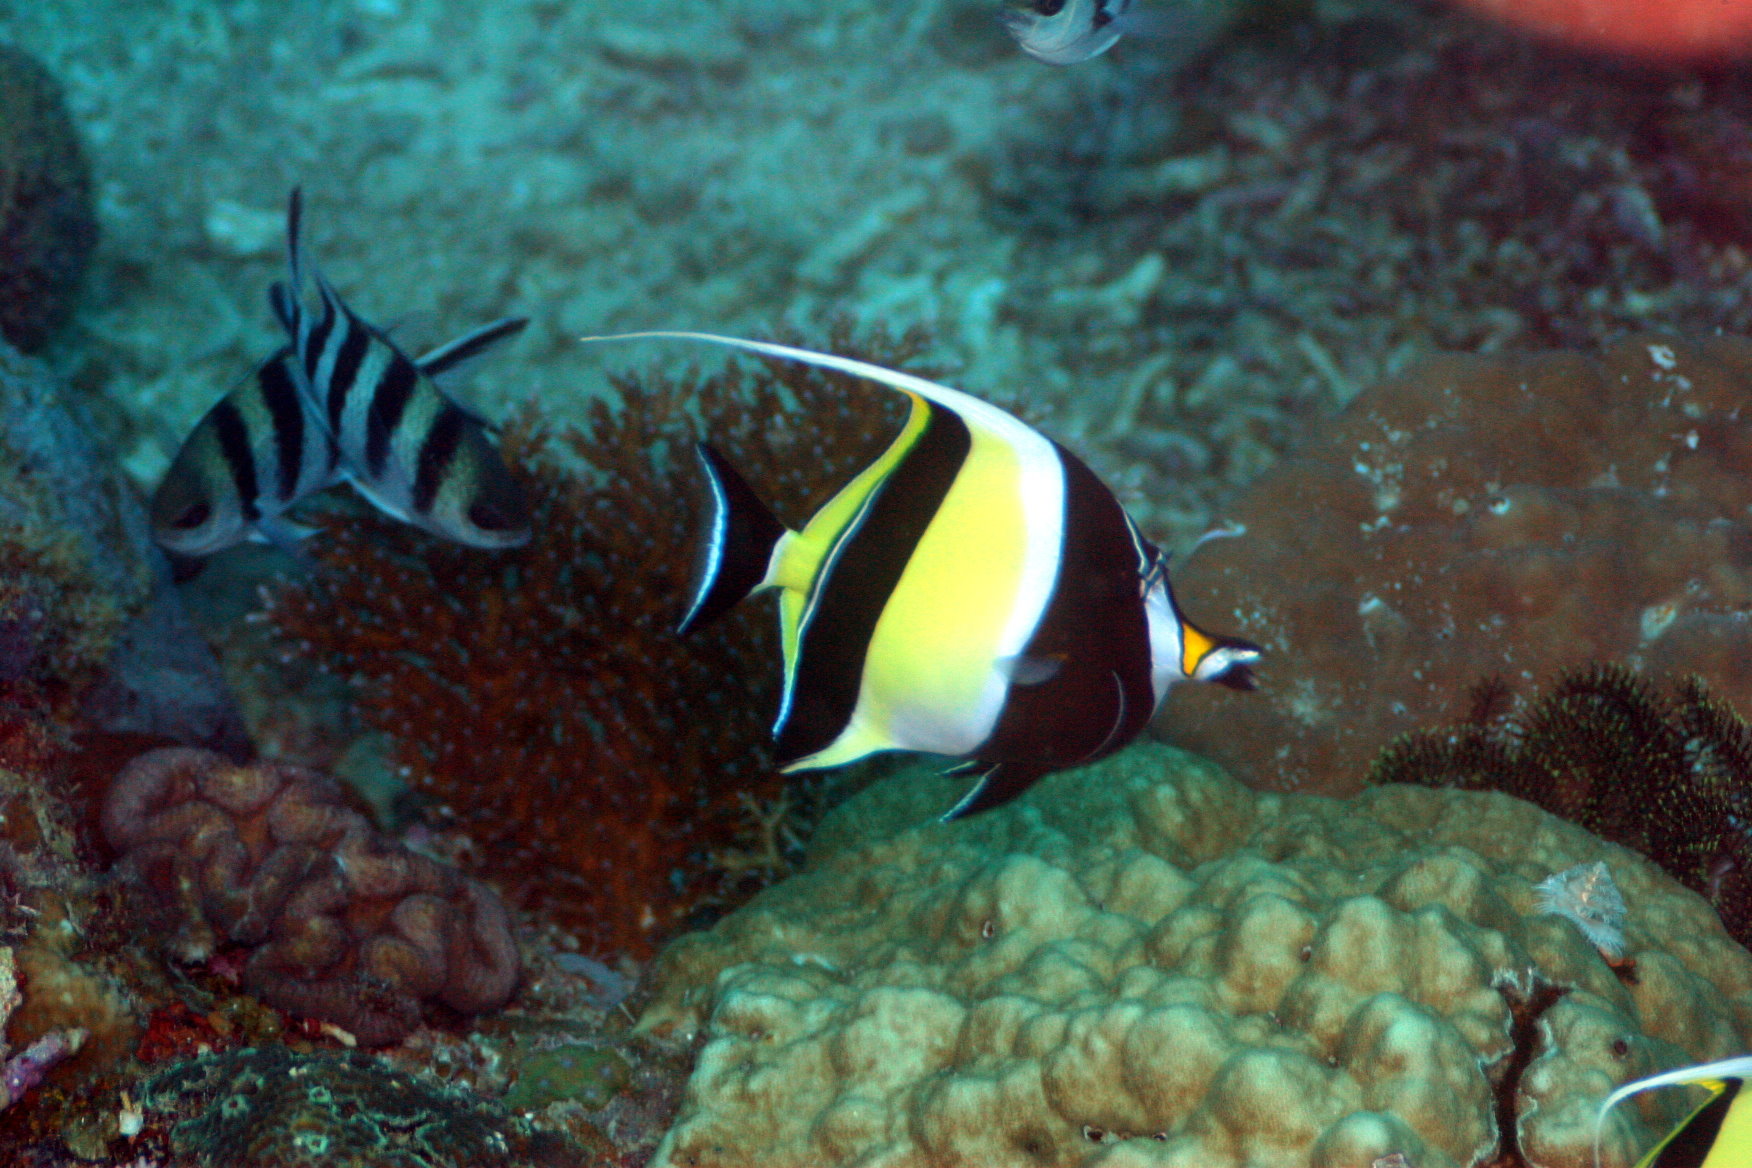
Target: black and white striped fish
975	592
249	460
402	441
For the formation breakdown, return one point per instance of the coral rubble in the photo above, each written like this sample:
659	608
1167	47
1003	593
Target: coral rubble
541	696
47	223
1670	779
1146	954
271	1108
343	924
1479	516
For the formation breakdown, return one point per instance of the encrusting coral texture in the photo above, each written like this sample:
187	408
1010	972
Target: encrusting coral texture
541	696
1475	517
343	924
1143	962
271	1108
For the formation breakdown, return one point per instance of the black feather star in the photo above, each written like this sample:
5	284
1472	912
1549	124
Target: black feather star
1670	777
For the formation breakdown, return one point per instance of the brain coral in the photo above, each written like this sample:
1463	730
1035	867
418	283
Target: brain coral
47	226
345	924
1477	516
1145	963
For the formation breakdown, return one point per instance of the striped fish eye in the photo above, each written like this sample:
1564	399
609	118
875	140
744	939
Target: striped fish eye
193	516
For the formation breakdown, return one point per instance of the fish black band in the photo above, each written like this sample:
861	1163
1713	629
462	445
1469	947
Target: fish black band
1094	623
233	434
280	395
388	404
858	579
354	345
436	454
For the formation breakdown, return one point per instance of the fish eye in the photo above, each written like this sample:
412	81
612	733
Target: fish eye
193	516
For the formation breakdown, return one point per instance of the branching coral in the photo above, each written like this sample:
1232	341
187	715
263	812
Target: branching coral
1672	779
541	696
345	925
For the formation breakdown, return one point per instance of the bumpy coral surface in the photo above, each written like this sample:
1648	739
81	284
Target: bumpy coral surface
345	925
1479	516
1146	963
1671	779
47	225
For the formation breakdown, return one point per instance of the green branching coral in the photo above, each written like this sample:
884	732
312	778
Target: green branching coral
1669	777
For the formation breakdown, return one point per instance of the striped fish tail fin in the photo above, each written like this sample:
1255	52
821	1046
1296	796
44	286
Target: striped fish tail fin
740	535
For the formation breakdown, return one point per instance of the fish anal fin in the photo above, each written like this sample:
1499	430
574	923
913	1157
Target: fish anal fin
741	532
1000	784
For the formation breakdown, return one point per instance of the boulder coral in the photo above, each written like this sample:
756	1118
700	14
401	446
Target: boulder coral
1144	962
1476	516
344	924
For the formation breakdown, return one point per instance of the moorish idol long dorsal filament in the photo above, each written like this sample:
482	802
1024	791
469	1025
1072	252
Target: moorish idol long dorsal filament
1717	1133
974	592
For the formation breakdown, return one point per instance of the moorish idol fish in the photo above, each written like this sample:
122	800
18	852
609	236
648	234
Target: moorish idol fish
406	446
974	592
254	455
1717	1134
1064	32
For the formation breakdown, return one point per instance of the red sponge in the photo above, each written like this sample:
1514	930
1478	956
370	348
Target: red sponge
1670	31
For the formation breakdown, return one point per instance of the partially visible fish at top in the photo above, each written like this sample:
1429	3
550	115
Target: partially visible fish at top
402	441
1065	32
258	452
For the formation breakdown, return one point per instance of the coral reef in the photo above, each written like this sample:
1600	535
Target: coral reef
1216	248
1145	962
541	697
271	1108
84	624
47	224
1481	516
343	924
1670	779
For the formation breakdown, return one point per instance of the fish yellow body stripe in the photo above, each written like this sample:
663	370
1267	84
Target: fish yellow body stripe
1733	1143
931	662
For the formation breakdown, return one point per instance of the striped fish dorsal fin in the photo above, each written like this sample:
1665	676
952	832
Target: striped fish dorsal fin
1716	1134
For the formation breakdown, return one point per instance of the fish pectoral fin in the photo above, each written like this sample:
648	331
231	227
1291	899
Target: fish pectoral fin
285	535
1026	669
377	498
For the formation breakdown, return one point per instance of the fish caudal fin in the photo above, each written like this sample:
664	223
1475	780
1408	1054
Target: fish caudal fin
741	533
